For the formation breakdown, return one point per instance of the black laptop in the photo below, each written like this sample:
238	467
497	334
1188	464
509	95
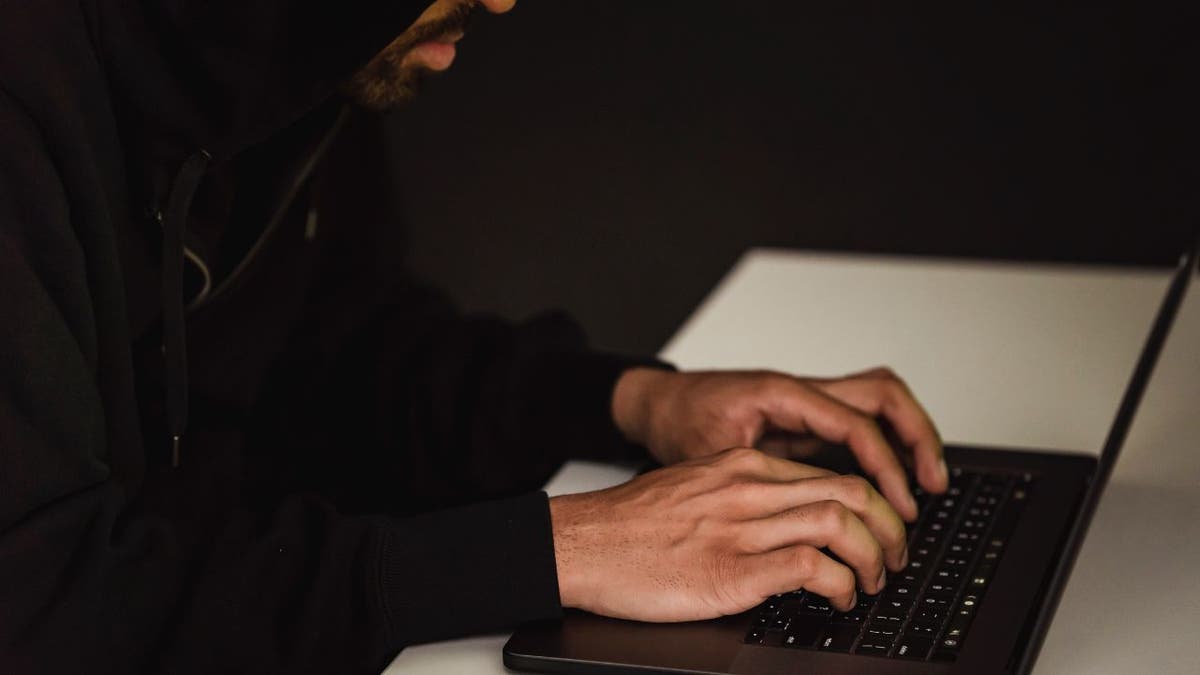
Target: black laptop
988	563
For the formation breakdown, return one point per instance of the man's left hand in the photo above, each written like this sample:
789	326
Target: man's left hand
680	416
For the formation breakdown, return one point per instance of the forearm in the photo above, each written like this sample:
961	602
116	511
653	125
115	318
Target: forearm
632	397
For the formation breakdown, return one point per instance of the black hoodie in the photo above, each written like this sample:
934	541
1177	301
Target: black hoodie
190	249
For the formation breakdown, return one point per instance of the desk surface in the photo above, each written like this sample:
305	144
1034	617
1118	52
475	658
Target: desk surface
1032	356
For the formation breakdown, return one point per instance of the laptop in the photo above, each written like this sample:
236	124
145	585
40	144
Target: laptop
988	563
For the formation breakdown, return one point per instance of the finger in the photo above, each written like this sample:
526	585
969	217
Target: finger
853	492
798	407
827	524
881	393
787	569
752	463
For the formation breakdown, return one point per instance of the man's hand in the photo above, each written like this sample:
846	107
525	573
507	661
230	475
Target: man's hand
717	535
678	416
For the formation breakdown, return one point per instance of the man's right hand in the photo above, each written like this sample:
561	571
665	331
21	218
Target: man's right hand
720	534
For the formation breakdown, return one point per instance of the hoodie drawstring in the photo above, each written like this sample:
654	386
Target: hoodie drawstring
179	202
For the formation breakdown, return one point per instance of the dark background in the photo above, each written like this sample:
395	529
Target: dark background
615	157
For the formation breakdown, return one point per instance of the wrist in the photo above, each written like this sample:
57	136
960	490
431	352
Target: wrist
568	548
632	400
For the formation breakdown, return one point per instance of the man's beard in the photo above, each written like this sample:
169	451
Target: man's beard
384	84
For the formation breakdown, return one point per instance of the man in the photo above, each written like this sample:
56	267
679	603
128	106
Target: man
231	432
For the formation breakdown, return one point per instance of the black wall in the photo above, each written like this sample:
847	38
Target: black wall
614	157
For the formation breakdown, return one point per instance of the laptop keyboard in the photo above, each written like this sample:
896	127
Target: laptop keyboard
925	611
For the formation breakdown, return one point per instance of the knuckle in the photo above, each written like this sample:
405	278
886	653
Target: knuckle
897	389
833	516
741	457
857	491
806	561
886	372
776	385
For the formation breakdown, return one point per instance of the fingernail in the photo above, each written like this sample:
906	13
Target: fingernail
853	600
882	580
904	559
944	471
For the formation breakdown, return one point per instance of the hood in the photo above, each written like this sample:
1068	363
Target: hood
190	74
196	82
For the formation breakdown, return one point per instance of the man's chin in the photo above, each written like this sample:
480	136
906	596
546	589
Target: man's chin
380	93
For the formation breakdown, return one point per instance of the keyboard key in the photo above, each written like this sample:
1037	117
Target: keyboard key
913	647
947	575
796	641
896	605
922	629
866	601
873	648
883	626
957	628
929	614
941	591
989	501
773	638
788	602
931	602
815	604
888	616
960	549
803	631
949	644
837	638
930	538
855	617
919	495
755	636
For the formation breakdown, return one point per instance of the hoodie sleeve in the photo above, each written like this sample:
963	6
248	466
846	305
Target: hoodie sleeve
96	580
426	406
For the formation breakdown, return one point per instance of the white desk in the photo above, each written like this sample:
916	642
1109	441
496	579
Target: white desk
1033	356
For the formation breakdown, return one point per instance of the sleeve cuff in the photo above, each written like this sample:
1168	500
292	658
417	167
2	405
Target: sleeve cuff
575	404
469	570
